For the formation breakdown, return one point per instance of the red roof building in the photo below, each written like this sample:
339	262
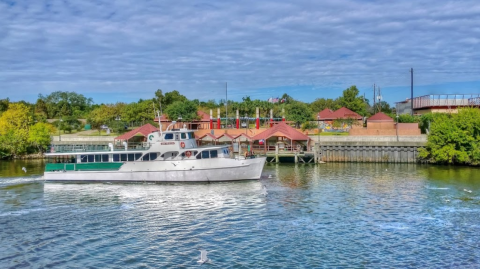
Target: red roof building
379	117
325	114
139	134
283	134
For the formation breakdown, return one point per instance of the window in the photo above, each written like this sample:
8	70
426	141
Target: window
184	136
213	154
168	136
116	157
205	154
191	135
105	158
131	157
83	158
123	157
146	157
91	158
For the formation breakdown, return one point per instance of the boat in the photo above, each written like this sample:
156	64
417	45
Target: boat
167	156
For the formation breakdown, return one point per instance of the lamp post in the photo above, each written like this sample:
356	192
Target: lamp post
397	127
59	126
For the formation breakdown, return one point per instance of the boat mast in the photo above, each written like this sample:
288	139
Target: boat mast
226	106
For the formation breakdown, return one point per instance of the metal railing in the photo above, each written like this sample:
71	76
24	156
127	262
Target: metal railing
444	100
75	148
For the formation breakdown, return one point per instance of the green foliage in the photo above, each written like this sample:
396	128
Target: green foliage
454	138
4	103
309	125
351	100
407	118
186	109
298	112
61	104
39	135
321	103
14	129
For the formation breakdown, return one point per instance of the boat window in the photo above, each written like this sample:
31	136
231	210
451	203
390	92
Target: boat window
150	156
205	154
137	156
105	158
191	135
213	154
176	137
123	157
168	136
91	158
184	136
131	157
83	158
116	157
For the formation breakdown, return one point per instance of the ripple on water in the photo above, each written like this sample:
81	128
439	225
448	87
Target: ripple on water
339	216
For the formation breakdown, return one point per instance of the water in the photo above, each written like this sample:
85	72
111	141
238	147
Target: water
334	215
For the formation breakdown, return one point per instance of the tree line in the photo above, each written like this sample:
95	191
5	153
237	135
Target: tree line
24	127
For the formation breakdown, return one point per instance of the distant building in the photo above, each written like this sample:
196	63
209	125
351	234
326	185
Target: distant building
438	103
327	116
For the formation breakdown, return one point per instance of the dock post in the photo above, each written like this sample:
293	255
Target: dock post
315	156
276	154
296	157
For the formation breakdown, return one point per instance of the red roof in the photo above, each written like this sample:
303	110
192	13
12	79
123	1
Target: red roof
281	129
325	114
380	116
203	116
344	113
143	130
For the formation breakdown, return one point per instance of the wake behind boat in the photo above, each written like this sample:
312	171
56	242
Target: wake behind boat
168	156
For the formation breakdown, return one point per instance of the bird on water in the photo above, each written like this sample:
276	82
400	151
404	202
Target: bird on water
264	190
203	257
24	169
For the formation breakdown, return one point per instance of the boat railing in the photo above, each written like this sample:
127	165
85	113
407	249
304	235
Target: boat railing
76	148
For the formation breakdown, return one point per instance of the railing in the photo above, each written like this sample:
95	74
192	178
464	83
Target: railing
444	100
92	147
474	101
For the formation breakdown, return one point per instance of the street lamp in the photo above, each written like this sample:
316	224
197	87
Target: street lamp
397	127
59	126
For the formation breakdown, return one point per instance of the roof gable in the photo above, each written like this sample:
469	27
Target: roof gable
282	129
380	116
345	113
142	131
325	114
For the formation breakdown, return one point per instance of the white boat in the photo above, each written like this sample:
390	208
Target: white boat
168	156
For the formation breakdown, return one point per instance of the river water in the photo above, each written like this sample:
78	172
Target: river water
334	215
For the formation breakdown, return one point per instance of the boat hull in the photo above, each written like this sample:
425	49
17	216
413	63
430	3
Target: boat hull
169	171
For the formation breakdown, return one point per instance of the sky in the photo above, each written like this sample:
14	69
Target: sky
121	51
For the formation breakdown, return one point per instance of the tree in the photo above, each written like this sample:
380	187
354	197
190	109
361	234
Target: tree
351	100
102	115
186	109
4	103
321	103
174	96
14	129
298	112
454	138
39	135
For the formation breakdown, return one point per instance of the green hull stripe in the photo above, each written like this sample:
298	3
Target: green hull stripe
82	166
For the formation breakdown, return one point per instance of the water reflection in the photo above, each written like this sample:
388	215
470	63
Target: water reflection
332	215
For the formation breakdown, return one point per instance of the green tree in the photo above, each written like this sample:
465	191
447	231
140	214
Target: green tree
39	135
174	96
14	129
321	103
454	138
298	112
186	109
351	100
4	103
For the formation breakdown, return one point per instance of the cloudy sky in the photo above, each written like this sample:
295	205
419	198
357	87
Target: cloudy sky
125	50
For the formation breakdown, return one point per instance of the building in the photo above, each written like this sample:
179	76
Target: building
382	124
327	117
438	103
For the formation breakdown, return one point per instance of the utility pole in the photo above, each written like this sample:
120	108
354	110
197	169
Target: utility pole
374	97
411	90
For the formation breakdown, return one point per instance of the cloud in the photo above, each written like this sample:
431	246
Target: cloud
124	47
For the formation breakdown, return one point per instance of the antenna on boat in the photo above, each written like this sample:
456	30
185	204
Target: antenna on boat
159	118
